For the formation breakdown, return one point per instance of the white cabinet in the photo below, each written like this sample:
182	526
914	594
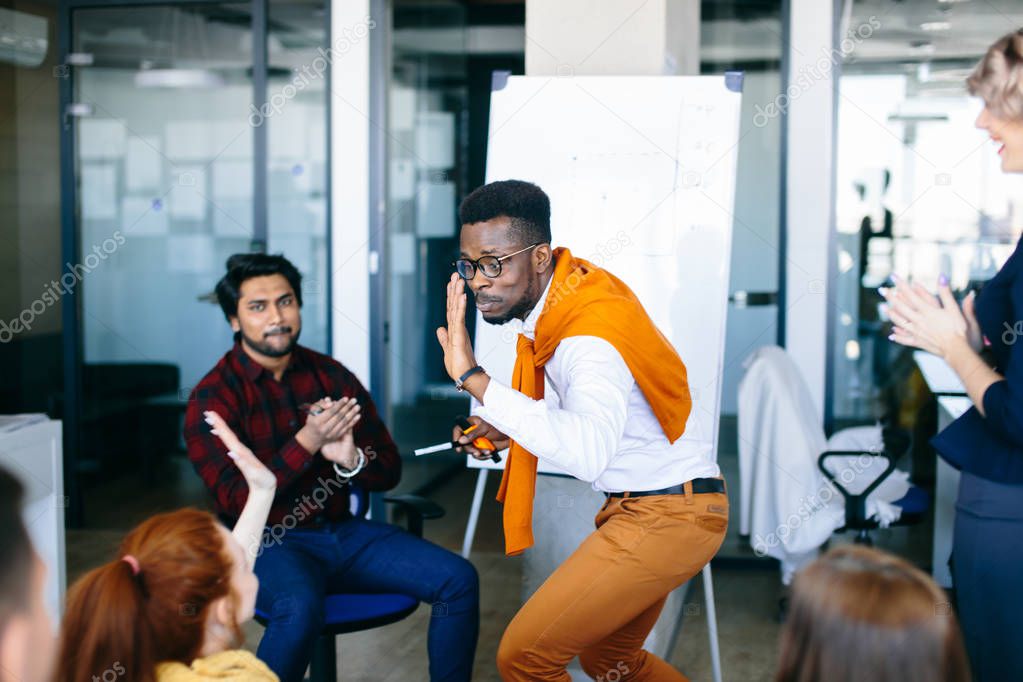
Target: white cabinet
34	454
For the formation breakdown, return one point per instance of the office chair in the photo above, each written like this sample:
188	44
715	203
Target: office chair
914	504
350	612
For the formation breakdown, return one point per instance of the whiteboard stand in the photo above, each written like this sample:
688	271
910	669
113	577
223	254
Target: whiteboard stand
712	622
474	513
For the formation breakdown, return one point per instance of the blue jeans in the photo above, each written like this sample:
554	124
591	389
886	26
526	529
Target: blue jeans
357	555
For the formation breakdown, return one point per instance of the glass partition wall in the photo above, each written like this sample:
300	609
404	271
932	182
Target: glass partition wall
919	189
195	131
748	36
442	54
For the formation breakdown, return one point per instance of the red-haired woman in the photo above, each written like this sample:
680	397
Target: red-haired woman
170	606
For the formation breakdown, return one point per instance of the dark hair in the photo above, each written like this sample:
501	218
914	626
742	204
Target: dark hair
243	266
16	559
860	614
156	615
527	205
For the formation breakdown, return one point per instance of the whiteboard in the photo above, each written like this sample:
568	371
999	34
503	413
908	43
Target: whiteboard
640	171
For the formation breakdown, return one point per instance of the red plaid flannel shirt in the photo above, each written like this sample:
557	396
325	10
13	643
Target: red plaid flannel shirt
265	415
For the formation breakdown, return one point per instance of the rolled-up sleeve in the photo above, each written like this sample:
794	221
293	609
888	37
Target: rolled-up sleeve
581	435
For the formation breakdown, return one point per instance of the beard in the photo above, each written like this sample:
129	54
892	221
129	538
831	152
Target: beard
521	308
264	348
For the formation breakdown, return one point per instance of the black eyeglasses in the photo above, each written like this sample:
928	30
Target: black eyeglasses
490	266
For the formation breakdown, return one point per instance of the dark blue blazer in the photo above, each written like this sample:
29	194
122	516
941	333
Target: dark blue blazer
991	446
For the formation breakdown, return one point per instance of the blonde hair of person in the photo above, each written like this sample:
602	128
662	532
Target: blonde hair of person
998	78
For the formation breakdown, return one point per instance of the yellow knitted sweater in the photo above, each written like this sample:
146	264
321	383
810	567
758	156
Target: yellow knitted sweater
235	666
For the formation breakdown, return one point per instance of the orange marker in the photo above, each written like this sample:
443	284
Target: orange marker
480	443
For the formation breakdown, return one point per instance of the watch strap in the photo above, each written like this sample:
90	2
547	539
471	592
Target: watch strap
461	380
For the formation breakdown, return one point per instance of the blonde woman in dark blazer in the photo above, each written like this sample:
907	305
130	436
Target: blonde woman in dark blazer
986	442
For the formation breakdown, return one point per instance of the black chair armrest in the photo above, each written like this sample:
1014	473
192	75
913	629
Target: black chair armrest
416	509
855	503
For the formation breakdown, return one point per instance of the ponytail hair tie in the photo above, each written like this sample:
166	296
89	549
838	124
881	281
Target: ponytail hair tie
133	562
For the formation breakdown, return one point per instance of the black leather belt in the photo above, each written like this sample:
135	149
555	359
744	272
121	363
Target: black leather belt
700	486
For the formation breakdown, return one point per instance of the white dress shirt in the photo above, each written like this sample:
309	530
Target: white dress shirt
594	421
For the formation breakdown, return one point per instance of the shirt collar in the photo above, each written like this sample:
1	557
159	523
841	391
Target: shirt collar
253	370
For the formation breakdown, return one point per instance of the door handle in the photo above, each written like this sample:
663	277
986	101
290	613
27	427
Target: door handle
753	299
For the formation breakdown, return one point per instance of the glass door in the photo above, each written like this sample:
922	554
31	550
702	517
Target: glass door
737	37
440	63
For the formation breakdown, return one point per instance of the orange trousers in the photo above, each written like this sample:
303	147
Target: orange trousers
601	604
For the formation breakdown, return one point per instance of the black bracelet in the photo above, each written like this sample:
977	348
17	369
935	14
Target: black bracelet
461	380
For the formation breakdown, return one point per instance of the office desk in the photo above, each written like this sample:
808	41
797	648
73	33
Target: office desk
952	402
939	376
946	489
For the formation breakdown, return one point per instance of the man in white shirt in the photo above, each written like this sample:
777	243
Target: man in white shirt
599	393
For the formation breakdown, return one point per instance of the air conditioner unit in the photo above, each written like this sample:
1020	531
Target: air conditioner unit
22	38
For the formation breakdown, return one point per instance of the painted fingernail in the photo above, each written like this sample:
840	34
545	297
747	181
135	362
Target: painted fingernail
883	291
891	337
232	454
943	280
215	432
208	421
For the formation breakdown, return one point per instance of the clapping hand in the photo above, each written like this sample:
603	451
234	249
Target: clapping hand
256	474
329	420
933	324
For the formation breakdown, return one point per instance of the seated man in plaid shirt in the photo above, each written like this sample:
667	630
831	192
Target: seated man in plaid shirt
315	426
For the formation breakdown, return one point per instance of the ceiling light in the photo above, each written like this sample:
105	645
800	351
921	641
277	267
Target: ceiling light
935	26
177	78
